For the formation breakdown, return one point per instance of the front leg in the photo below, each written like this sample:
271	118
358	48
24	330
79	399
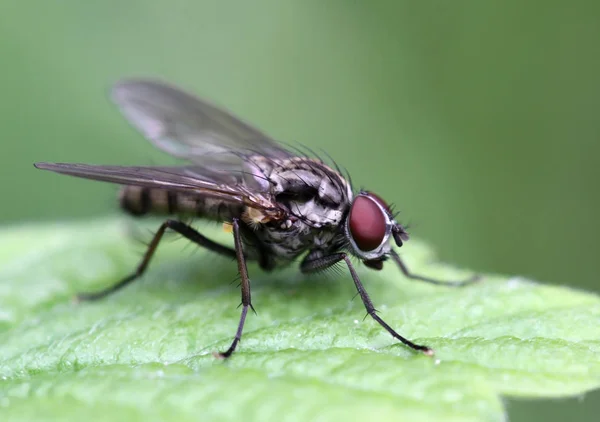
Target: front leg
317	260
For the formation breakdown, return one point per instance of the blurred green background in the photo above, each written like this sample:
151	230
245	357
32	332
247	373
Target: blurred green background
478	119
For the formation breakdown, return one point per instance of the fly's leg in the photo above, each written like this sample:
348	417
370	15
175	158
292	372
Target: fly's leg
177	226
314	262
408	274
245	284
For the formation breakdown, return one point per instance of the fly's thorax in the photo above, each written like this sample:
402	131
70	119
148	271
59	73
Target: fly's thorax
311	191
316	199
139	201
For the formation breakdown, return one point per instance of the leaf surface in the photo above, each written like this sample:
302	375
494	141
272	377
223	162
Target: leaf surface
145	353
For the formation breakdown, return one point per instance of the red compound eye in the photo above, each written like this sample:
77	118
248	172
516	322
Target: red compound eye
367	223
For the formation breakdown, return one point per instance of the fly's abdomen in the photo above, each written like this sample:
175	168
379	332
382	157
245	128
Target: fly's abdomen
139	201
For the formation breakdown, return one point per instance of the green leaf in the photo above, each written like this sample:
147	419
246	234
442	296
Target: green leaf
145	353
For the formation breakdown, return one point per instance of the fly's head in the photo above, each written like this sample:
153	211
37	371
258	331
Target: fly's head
370	225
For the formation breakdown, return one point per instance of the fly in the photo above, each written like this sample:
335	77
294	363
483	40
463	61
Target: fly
280	205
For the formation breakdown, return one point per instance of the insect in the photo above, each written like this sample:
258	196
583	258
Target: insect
281	205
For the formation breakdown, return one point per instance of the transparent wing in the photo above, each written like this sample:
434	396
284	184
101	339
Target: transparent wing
180	179
188	127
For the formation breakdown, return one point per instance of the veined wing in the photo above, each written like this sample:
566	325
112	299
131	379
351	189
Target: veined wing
178	179
188	127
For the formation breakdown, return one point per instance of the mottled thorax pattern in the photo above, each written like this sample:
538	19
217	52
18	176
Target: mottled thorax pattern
317	199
